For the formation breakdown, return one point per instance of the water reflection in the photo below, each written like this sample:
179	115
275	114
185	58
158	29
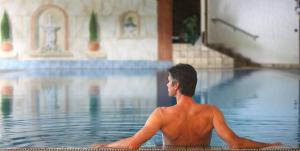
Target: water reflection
6	99
163	98
54	108
298	101
94	93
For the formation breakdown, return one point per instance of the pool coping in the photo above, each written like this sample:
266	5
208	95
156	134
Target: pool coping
150	149
83	64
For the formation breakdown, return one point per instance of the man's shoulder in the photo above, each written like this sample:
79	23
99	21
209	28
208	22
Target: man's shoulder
207	109
212	109
164	110
161	109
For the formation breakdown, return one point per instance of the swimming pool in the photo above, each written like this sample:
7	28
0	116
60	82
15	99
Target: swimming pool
76	108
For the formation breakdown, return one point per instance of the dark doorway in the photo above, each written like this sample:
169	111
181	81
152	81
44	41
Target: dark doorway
185	10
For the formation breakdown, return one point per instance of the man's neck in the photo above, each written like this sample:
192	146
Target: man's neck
184	99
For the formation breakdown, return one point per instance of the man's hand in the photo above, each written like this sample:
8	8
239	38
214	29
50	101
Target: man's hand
98	145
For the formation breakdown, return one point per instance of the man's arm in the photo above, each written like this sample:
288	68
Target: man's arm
152	125
230	137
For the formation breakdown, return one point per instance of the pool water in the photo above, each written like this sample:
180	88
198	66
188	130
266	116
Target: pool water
77	108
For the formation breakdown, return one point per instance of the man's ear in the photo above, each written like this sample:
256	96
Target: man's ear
176	86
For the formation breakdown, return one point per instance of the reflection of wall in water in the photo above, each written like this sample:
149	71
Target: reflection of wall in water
6	99
42	95
94	98
163	99
46	95
212	77
298	107
130	91
82	90
209	78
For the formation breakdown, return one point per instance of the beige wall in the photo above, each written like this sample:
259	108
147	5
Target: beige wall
140	47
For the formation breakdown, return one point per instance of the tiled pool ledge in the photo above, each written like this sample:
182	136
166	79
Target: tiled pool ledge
82	64
282	66
150	149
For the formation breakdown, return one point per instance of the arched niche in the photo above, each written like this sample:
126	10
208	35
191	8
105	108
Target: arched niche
56	15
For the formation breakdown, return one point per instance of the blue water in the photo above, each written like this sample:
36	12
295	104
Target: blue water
77	108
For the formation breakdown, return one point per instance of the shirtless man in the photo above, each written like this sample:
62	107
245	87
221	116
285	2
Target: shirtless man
186	123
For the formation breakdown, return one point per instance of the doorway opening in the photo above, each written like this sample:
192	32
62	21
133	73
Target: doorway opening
186	21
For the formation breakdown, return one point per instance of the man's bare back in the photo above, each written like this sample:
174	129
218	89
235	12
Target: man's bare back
189	124
186	123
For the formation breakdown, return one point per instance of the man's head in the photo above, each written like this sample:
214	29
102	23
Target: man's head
182	77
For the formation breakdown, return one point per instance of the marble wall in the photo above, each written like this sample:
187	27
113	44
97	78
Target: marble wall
113	45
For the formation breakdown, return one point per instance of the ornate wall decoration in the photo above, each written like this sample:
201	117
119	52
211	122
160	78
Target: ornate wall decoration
130	25
49	28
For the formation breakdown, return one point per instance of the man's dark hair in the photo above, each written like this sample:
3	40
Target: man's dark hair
186	76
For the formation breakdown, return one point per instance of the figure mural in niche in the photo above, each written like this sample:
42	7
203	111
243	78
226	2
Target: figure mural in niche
50	31
130	25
